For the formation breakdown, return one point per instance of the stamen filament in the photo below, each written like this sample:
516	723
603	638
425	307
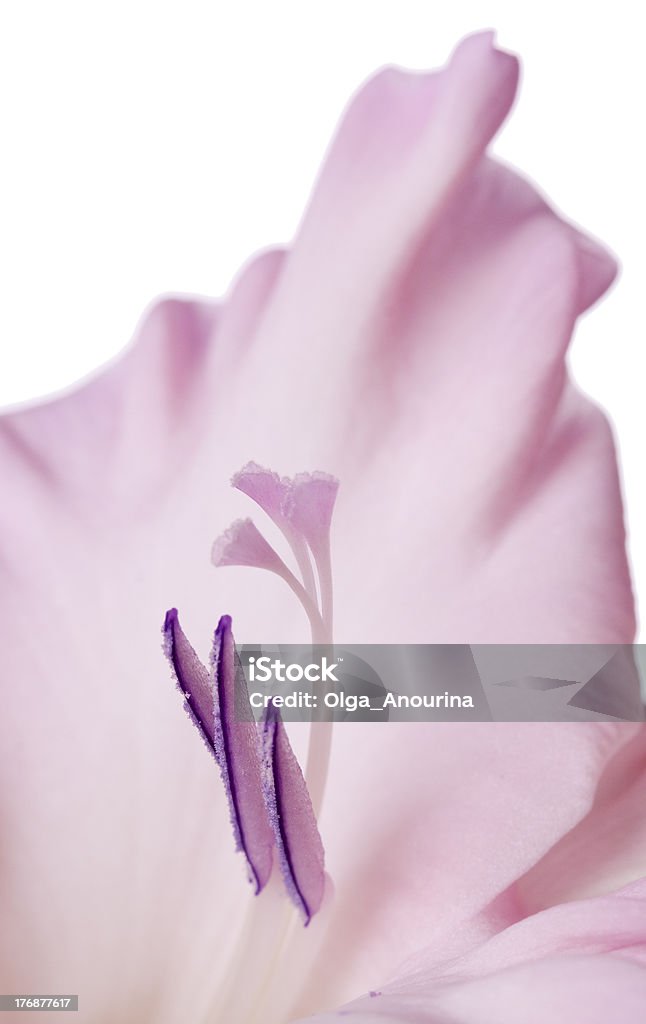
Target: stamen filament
320	739
265	925
318	761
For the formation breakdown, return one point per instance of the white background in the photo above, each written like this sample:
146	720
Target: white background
152	146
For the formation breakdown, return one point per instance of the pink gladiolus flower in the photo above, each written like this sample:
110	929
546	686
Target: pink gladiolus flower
411	342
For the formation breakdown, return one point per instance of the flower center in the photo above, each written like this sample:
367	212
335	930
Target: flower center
274	810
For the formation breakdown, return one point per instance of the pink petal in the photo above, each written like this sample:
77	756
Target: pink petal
572	990
457	812
606	849
581	962
444	366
